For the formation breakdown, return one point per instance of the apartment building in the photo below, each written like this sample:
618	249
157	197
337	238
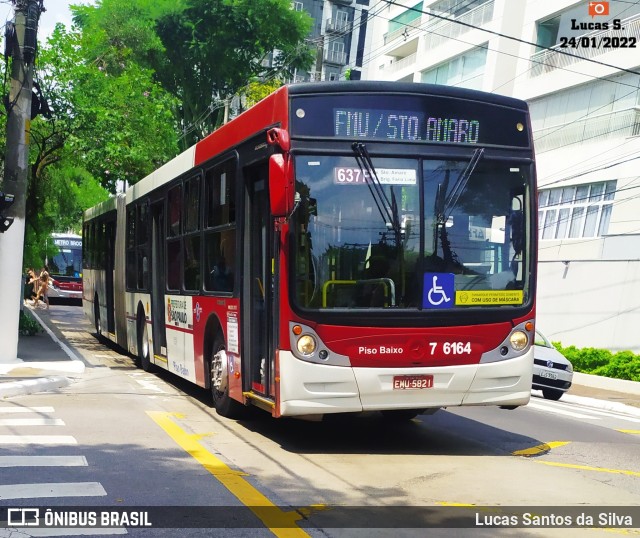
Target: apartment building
577	63
338	35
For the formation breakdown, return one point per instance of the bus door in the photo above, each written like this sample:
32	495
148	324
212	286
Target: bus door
159	333
110	265
257	290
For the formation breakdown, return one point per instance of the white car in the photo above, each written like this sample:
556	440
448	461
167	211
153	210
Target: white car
552	372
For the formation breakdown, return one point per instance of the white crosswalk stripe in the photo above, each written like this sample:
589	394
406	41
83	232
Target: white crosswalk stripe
12	420
31	422
579	411
556	411
43	461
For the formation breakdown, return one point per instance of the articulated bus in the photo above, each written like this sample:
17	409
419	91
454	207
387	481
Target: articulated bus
65	268
338	247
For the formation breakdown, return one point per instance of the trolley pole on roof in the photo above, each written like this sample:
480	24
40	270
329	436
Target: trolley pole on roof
20	43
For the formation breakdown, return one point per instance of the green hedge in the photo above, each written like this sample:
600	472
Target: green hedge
27	324
589	360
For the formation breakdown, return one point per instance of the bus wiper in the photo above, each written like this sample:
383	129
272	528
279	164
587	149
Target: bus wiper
388	208
444	204
460	184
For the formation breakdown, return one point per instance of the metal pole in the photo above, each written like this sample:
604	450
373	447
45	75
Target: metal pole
22	47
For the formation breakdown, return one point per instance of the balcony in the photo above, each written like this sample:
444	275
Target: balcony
335	57
620	124
403	62
335	26
546	61
439	32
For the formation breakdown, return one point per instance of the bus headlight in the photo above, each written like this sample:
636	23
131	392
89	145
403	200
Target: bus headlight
518	340
306	344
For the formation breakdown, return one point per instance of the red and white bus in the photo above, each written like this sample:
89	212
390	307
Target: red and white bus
65	267
339	247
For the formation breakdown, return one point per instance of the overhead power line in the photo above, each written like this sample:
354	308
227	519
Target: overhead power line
506	36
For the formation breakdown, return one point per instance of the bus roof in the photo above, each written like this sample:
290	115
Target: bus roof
273	111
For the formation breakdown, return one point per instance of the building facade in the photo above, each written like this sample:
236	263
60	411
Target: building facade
577	64
338	35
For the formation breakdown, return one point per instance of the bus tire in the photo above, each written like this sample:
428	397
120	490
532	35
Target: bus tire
96	316
143	344
219	378
401	415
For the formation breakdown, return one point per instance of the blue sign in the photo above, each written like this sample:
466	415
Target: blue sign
439	290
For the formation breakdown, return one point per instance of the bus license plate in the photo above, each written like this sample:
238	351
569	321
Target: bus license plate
412	381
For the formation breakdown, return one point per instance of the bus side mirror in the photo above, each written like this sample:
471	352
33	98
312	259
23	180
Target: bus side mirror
280	185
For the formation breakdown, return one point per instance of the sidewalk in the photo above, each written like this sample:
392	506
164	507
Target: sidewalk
46	362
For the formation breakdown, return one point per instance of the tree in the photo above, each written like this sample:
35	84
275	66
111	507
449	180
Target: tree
215	47
203	52
109	107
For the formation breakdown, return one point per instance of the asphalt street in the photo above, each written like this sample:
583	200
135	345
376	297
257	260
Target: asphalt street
47	361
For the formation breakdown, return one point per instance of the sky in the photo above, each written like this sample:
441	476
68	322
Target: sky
55	11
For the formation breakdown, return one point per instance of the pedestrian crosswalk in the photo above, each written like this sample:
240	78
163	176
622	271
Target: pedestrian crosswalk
33	438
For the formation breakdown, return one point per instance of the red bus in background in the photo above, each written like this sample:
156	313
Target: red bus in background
338	247
65	267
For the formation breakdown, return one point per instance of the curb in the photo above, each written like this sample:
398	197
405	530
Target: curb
607	383
603	405
29	386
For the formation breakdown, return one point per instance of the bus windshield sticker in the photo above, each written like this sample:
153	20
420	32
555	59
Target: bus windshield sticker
438	290
344	175
489	297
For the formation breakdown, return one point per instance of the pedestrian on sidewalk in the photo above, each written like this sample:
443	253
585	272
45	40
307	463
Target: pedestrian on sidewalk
43	289
32	285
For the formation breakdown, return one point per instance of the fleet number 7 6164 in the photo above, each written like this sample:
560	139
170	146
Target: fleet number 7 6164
451	348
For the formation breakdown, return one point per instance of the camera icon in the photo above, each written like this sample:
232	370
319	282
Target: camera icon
598	8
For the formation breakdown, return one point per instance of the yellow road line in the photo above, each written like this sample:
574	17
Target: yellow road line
632	432
539	449
282	524
589	468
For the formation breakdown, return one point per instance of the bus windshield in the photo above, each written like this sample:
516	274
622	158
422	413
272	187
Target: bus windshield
410	233
68	259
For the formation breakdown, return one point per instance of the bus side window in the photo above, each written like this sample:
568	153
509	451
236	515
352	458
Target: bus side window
175	212
174	243
220	260
220	230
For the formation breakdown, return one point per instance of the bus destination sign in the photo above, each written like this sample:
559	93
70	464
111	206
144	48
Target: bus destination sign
418	119
407	126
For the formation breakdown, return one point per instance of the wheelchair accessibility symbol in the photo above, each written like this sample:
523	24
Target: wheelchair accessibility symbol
439	290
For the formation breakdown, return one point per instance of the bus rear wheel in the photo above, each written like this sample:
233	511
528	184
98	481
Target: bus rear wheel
96	317
143	345
219	378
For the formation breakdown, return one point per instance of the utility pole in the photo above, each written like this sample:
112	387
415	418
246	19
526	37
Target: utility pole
21	41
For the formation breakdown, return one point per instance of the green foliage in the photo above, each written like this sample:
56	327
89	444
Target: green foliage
107	98
27	325
256	91
133	78
215	47
621	365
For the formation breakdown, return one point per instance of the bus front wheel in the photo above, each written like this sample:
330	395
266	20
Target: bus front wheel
219	377
401	415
